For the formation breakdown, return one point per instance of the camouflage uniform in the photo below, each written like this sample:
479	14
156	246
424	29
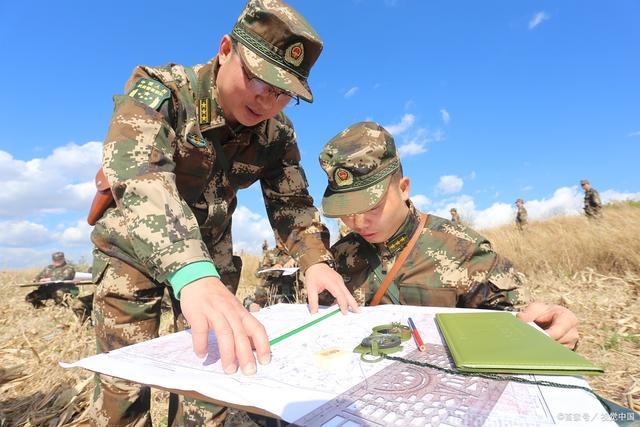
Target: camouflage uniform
174	167
455	218
54	291
592	203
522	217
450	265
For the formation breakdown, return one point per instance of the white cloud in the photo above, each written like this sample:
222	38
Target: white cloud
78	235
413	140
405	123
445	116
421	201
449	184
411	148
564	201
351	92
61	182
636	133
617	196
249	230
538	19
472	175
23	233
527	188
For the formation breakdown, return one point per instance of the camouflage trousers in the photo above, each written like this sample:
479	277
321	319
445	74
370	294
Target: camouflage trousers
56	292
127	309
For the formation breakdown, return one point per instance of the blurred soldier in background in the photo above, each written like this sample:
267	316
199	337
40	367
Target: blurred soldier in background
455	218
273	287
58	271
592	203
522	217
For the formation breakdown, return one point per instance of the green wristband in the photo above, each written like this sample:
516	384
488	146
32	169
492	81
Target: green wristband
190	273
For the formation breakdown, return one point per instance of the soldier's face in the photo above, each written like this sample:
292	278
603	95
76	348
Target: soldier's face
242	102
380	223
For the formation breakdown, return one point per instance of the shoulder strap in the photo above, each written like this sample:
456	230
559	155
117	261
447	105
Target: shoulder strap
399	262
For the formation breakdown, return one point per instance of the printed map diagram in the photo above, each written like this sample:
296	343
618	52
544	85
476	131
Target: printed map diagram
300	386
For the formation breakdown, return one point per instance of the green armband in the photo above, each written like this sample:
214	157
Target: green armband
190	273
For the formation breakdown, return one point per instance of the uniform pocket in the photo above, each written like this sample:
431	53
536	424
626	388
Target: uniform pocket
411	294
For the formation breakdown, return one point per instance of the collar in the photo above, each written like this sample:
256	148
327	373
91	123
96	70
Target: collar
207	78
401	237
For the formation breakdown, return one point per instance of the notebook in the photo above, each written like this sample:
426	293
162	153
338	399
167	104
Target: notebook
499	342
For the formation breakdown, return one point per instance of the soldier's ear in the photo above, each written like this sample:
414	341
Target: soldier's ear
225	49
405	185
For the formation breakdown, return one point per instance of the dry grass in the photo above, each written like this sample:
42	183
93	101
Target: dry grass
593	269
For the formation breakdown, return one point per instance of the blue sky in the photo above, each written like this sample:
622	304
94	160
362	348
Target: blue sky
488	101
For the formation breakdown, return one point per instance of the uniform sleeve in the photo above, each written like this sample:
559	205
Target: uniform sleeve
44	273
494	281
290	207
69	273
138	161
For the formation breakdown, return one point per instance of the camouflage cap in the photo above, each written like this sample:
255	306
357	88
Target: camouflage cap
278	45
359	162
453	210
519	201
57	256
584	181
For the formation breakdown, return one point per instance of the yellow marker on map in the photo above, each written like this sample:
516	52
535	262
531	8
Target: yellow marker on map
331	359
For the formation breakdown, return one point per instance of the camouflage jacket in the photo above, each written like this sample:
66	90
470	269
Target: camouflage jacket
592	203
522	216
61	272
450	266
175	167
455	218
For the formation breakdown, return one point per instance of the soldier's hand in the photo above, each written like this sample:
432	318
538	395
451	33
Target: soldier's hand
320	277
557	321
208	305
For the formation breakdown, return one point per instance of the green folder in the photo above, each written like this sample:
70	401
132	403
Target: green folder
499	342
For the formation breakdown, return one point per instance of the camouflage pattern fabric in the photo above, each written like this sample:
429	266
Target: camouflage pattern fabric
175	192
127	308
592	203
174	177
274	287
359	163
278	45
522	217
455	218
54	291
450	266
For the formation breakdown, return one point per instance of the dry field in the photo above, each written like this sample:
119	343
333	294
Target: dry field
591	268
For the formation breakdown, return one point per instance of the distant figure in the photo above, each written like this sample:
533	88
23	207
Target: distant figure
455	218
342	228
273	287
522	217
592	203
58	271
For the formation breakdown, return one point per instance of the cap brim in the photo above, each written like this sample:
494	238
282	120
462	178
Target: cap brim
337	204
274	75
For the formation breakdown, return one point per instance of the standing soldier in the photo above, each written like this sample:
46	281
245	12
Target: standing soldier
181	143
522	217
592	203
58	271
455	218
